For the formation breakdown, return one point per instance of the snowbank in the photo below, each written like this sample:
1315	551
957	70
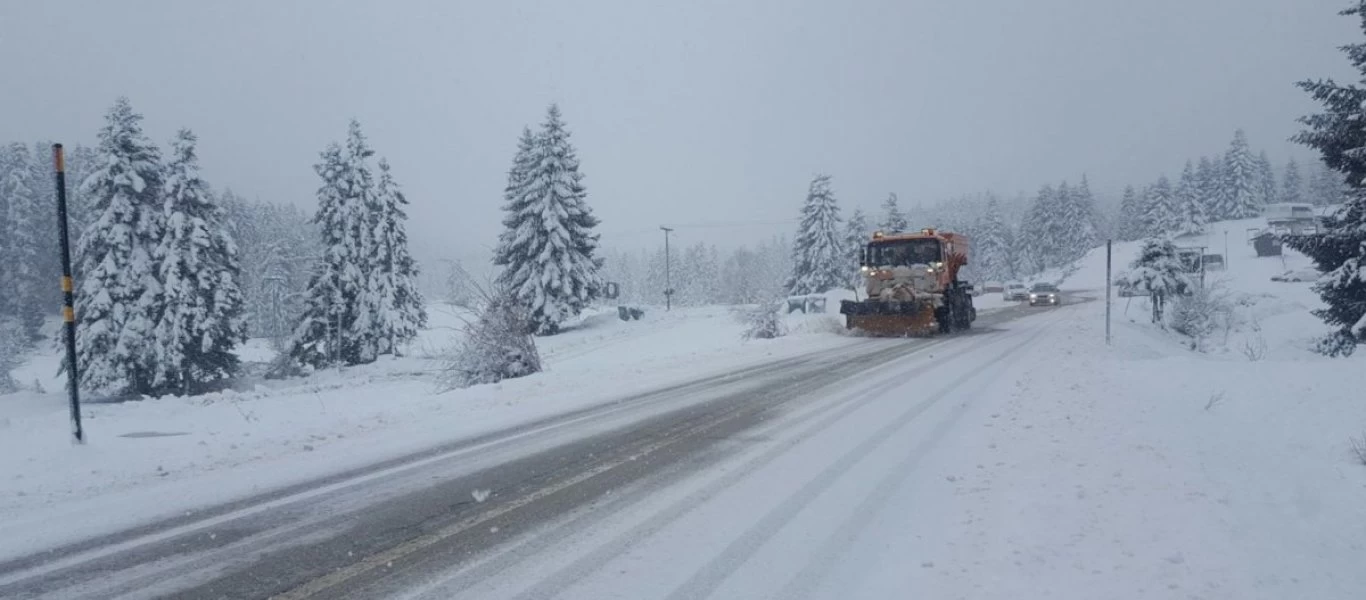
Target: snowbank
1143	469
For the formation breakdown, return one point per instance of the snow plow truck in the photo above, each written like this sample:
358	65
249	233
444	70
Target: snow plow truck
912	285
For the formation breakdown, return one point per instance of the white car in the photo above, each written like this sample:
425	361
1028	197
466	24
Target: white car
1015	291
1298	275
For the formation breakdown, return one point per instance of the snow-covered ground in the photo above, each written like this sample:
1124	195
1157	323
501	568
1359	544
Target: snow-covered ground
1048	463
1045	464
174	454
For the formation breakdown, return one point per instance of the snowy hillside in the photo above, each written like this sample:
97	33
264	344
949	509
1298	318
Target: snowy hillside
1147	469
1272	318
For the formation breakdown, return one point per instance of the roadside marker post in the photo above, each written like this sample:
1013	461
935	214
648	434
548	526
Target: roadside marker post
1108	244
68	296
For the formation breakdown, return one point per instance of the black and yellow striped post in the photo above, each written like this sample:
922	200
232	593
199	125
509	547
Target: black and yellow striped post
68	297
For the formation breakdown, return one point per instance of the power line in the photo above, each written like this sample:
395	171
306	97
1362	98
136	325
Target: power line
705	225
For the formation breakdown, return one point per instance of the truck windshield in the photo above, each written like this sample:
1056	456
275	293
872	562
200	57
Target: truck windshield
902	253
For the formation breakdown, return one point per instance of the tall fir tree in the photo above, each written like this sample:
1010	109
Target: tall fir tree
992	238
1209	187
1075	226
119	301
1161	216
8	302
202	319
1091	214
856	236
1339	250
1129	226
1266	180
24	281
819	251
1191	218
1241	197
391	293
548	250
322	337
1292	187
1326	186
1038	246
361	219
893	219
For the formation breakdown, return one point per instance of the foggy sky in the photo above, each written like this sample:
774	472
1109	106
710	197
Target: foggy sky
683	112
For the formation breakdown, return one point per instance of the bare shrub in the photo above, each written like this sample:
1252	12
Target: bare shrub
763	321
1255	348
497	344
1215	399
1358	448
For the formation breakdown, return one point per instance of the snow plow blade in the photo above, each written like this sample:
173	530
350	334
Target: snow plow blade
891	319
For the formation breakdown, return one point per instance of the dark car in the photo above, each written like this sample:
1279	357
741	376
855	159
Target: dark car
1045	293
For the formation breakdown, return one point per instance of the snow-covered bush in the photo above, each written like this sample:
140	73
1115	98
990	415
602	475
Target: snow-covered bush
1200	314
1157	271
497	345
763	321
11	345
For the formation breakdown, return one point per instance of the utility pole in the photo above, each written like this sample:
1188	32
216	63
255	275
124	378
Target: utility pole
1226	257
68	296
668	283
1108	244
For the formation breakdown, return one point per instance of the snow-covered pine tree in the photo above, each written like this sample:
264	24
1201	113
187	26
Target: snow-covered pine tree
391	290
7	282
548	250
992	241
1266	180
119	301
1129	226
857	233
1242	194
655	274
25	293
202	318
1209	186
738	284
362	218
1074	228
1161	216
1158	271
22	252
1085	203
1292	187
712	275
893	219
1339	250
323	335
460	286
819	253
1039	249
1190	211
81	162
1326	186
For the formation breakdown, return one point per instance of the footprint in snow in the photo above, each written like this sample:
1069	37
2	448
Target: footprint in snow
480	495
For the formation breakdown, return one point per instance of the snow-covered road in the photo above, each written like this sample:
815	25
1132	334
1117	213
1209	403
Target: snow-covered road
826	498
794	432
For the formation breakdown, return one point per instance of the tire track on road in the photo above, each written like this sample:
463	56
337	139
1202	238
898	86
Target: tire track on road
711	576
831	412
